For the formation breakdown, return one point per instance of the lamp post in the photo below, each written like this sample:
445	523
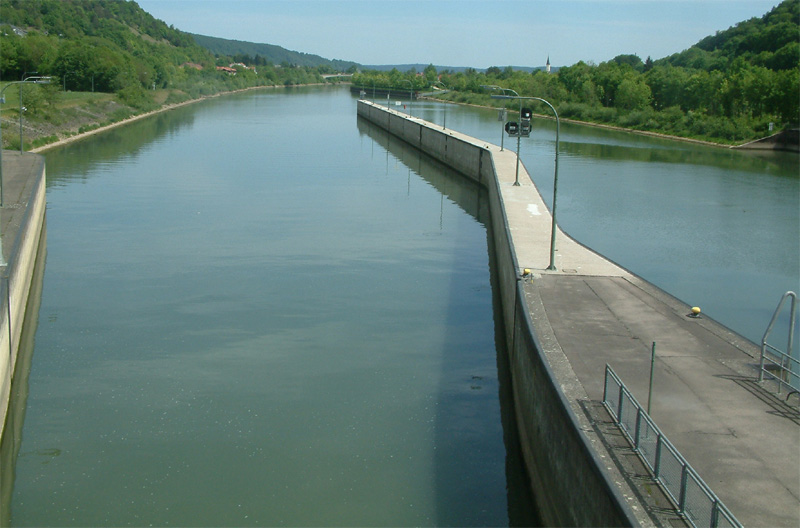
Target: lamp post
34	80
23	78
553	225
515	96
444	123
410	95
29	80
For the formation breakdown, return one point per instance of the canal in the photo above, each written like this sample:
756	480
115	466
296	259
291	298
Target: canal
255	313
258	310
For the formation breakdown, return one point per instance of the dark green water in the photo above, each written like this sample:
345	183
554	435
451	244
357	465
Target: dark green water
253	313
259	310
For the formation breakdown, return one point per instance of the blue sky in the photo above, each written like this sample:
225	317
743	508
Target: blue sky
478	33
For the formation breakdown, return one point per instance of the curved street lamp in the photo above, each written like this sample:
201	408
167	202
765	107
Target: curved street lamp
552	266
444	123
25	80
504	96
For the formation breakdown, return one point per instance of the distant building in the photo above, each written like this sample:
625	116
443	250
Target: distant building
192	65
547	64
229	71
18	31
243	65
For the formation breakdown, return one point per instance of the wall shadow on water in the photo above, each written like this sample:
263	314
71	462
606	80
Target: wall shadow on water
469	395
18	400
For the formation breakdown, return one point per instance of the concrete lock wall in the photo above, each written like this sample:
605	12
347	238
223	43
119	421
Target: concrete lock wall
569	484
22	233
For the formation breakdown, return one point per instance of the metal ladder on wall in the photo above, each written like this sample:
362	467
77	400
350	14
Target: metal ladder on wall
776	364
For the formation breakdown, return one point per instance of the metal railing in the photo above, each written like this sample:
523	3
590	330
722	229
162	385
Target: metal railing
775	363
694	499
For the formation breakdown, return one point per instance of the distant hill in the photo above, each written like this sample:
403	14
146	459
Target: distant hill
248	51
454	69
115	46
269	52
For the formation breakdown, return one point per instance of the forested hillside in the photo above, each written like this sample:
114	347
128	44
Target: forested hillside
108	60
728	87
252	53
115	46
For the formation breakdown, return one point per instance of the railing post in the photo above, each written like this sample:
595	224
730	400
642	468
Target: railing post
785	359
657	468
715	514
638	428
684	479
679	497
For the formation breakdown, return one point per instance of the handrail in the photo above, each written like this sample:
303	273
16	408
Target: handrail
695	500
788	366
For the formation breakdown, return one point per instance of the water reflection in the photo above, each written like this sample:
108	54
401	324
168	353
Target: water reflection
469	196
109	146
578	144
241	333
18	399
470	389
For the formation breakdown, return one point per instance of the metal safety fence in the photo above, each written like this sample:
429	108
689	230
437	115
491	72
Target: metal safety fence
693	498
776	364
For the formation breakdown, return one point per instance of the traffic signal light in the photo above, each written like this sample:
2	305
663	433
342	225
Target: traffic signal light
512	128
525	122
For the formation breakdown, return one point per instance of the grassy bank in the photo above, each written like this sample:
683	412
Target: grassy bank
651	124
50	115
56	118
513	109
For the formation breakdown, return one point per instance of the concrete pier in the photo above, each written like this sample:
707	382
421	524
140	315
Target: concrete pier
21	227
564	326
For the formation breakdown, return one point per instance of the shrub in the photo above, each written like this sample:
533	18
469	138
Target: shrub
137	97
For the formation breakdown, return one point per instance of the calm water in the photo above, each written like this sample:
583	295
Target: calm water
259	310
255	314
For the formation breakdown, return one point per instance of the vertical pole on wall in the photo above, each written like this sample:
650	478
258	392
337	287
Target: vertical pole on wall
8	320
501	116
20	117
652	364
682	495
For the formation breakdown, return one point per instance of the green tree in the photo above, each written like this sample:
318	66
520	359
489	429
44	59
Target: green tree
633	94
631	60
430	73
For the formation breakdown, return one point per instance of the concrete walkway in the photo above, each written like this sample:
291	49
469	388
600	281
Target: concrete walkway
20	171
21	226
743	441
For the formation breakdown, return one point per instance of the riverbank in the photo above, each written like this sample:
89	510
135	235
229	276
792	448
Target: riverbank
104	116
598	125
164	108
